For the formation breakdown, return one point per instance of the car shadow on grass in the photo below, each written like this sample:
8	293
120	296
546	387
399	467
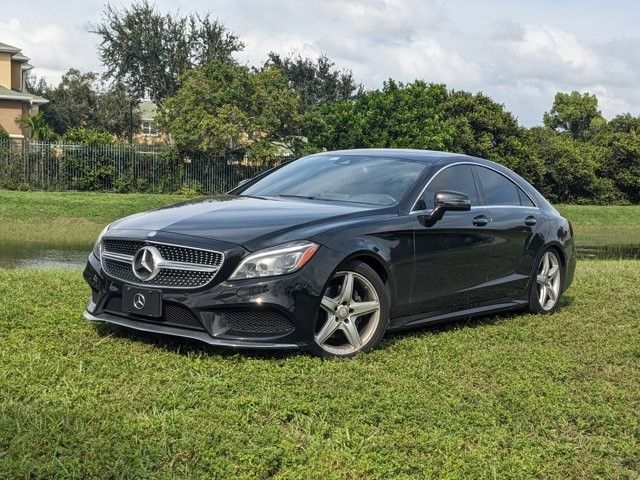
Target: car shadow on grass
186	346
445	326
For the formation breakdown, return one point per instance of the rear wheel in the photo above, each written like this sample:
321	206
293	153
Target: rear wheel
354	312
546	289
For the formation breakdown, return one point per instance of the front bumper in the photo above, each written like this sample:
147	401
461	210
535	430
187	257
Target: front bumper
277	312
155	327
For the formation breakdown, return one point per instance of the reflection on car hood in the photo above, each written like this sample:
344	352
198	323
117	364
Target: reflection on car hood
250	222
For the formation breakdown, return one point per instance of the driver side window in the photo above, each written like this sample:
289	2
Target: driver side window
458	178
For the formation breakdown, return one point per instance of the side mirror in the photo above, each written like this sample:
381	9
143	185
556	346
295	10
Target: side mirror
242	182
446	201
452	201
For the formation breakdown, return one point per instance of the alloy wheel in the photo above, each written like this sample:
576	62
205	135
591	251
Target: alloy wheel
349	314
548	281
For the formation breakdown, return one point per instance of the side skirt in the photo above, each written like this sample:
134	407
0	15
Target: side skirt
425	319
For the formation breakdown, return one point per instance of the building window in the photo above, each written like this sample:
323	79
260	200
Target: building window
149	128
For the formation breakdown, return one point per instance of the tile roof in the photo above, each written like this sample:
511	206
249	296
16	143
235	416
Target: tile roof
8	48
8	94
20	57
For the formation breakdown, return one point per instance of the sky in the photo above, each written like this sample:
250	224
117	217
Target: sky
518	52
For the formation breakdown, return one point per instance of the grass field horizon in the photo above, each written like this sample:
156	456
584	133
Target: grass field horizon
74	219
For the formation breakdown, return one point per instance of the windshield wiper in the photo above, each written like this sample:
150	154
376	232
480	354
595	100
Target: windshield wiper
323	199
306	197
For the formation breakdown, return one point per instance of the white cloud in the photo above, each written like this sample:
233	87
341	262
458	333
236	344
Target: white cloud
512	51
52	48
392	21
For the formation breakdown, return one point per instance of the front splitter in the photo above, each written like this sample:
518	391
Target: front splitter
186	333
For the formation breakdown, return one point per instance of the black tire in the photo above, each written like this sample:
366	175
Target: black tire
374	333
546	306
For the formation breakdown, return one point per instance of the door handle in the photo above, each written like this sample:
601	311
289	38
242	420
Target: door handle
530	221
480	221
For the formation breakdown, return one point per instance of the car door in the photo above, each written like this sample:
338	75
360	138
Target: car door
515	220
450	255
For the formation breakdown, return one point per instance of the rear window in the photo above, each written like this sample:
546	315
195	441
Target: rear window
498	189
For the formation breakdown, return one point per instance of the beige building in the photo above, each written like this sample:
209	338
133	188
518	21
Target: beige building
149	133
14	99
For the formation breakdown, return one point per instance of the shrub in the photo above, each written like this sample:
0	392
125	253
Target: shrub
88	136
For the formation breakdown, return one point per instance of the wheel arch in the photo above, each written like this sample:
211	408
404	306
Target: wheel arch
377	263
559	250
373	260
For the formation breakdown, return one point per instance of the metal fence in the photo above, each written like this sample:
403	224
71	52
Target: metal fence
27	164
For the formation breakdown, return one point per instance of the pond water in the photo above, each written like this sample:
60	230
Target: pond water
44	255
612	252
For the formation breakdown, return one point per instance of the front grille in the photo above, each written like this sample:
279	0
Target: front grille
187	274
270	322
174	253
172	314
166	278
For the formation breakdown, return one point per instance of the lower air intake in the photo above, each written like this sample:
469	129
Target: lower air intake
172	314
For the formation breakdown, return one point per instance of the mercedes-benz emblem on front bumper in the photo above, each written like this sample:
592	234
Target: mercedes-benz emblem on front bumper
139	301
146	263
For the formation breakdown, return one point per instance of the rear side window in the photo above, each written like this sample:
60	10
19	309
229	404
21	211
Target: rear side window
499	190
458	178
525	201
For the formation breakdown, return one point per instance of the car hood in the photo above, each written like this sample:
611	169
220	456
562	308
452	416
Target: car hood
251	222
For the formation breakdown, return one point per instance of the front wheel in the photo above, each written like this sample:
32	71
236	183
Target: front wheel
547	285
354	312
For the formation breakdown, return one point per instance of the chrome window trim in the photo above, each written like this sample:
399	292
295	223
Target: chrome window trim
167	264
412	211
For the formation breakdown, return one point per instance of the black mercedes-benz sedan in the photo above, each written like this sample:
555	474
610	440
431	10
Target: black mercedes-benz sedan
329	252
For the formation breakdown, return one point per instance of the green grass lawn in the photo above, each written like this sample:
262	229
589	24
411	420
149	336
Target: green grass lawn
511	396
67	218
604	225
74	219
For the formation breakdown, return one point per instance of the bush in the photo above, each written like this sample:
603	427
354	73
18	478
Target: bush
88	136
191	189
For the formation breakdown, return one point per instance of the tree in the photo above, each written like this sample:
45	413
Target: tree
225	107
82	99
316	81
72	102
116	111
573	169
398	116
484	128
624	123
36	126
575	113
621	139
148	51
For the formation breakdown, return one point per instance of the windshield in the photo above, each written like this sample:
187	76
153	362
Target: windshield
345	178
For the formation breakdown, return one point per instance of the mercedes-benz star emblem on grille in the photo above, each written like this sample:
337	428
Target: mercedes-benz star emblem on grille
146	263
138	301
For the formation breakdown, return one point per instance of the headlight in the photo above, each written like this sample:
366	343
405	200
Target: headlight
97	247
275	261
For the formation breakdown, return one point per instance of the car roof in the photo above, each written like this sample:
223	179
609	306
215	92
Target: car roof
433	157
